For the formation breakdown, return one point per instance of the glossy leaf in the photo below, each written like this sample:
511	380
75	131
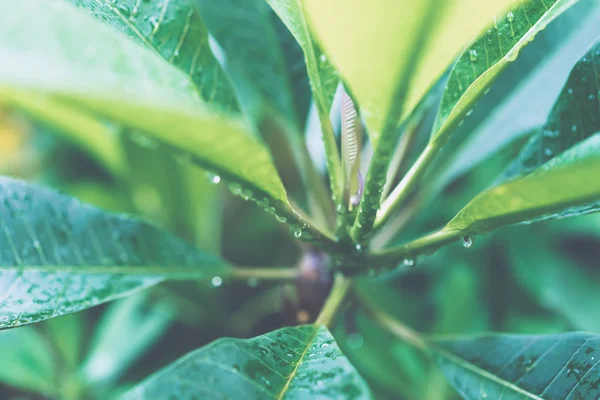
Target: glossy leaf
574	117
323	78
60	256
483	60
565	186
252	55
553	367
292	363
175	31
101	70
426	36
556	280
520	97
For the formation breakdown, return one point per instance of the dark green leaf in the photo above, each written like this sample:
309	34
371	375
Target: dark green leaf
555	279
253	57
292	363
176	32
60	256
519	99
557	367
484	59
574	117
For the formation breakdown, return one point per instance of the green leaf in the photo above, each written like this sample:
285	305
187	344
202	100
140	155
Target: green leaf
175	31
556	280
253	56
521	95
294	363
574	117
31	359
323	77
485	58
567	185
539	367
61	256
426	36
125	331
83	64
254	61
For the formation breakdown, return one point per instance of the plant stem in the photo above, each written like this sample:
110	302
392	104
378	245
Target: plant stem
425	244
391	324
406	185
341	288
277	274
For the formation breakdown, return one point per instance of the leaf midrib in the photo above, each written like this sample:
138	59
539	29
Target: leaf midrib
292	375
483	373
152	46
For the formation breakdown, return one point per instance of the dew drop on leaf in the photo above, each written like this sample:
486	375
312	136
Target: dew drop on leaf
473	56
409	262
280	219
468	241
296	230
213	178
235	189
216	281
270	210
252	282
246	194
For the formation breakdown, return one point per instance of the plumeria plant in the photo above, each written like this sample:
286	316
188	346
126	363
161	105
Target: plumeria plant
378	155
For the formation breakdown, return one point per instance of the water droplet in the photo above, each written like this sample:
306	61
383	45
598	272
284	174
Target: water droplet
473	55
510	16
246	194
574	128
323	58
235	189
124	10
591	97
270	210
409	262
253	282
355	341
468	241
469	112
280	219
296	230
570	91
547	152
549	133
264	203
324	345
358	247
216	281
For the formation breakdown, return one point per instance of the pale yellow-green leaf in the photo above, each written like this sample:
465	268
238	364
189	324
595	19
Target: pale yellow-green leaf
55	49
373	43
